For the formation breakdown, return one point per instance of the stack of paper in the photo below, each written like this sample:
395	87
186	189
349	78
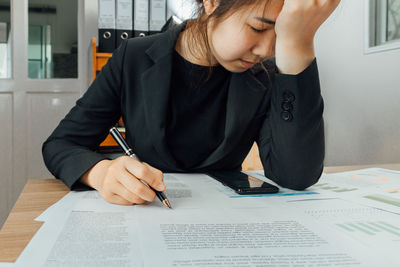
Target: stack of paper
347	219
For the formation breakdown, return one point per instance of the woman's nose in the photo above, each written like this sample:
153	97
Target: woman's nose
264	47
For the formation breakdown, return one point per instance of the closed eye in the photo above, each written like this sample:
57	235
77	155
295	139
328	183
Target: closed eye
258	30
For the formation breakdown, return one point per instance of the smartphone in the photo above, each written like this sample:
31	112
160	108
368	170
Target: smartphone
242	183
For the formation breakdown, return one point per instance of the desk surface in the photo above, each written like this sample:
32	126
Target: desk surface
38	195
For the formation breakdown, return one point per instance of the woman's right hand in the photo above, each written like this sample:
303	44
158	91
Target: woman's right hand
118	181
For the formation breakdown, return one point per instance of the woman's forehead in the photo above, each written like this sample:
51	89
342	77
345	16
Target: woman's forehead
268	9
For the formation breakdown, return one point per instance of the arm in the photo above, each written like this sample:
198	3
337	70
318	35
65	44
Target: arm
291	139
69	151
291	142
295	29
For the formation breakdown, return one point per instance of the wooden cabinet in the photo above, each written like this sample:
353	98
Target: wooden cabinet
252	161
99	60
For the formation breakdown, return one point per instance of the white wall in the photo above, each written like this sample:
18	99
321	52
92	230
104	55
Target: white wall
361	92
31	109
183	9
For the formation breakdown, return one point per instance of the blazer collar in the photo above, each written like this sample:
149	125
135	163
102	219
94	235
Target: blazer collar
156	87
244	97
165	44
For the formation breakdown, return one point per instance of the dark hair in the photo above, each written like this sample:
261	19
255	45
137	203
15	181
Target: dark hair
197	28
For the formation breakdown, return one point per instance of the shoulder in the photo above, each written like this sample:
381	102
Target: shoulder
141	44
133	52
145	41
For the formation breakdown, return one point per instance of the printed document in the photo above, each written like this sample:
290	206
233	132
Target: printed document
331	224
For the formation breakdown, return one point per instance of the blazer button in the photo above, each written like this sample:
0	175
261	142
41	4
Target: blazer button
288	96
286	116
287	106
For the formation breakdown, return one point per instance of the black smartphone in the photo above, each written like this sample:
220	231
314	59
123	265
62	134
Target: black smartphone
242	183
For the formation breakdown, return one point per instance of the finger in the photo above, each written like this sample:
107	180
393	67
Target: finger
160	174
126	194
136	187
329	5
116	199
143	171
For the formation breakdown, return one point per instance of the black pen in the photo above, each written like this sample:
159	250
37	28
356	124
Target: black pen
129	152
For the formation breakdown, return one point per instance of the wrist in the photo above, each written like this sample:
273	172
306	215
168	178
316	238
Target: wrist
293	57
95	176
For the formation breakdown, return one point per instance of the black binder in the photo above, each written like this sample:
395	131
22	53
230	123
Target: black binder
141	18
106	26
124	22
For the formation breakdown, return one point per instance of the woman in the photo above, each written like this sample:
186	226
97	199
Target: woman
196	97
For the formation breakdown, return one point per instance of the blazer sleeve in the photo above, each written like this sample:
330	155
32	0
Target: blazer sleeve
69	152
291	139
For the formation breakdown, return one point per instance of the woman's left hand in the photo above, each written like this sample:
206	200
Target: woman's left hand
295	29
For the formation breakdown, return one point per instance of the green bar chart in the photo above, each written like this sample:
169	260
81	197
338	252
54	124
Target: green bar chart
370	228
333	188
385	199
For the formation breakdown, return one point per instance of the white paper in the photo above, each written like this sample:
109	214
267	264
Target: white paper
209	226
375	229
38	248
205	193
64	204
94	239
90	223
267	237
375	187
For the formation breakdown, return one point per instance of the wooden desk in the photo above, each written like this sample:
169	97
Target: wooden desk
38	195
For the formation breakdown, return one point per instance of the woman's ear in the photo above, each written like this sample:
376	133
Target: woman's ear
210	6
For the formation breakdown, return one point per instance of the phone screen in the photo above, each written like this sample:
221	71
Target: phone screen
243	183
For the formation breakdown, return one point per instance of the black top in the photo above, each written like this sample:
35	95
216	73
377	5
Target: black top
196	105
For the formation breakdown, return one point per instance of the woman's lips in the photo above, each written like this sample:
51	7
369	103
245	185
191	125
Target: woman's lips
247	64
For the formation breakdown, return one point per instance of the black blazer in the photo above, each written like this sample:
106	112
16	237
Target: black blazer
282	113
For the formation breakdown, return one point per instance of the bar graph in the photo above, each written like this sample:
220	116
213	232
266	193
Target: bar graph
395	191
385	199
370	228
369	177
333	188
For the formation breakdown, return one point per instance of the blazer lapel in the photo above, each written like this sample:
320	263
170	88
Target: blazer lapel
156	87
244	97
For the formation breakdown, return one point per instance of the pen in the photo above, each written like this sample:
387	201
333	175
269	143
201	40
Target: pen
129	152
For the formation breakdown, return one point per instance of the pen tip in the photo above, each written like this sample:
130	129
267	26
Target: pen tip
166	203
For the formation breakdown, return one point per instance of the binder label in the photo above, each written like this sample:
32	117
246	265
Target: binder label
157	14
141	15
106	14
124	14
